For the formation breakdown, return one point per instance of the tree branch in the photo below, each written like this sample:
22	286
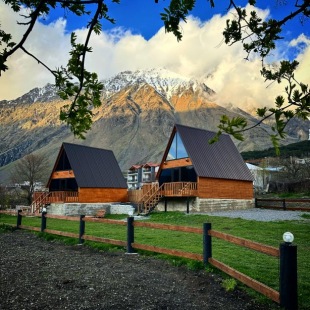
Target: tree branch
34	15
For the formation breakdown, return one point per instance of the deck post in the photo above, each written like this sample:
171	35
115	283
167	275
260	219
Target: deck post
187	204
82	229
207	243
19	218
43	221
130	234
288	276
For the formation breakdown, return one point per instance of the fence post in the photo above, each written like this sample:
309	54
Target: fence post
288	276
19	218
207	243
130	234
82	229
43	221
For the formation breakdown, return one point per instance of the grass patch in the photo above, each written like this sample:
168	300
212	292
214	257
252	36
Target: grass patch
6	228
258	266
229	284
306	215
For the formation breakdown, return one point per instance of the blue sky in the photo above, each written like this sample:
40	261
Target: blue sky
138	41
143	16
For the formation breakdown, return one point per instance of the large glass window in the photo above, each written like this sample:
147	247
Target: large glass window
63	163
180	174
177	149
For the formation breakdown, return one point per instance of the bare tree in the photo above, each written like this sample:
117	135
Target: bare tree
293	168
29	170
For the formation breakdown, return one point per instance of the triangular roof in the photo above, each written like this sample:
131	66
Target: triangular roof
92	167
218	160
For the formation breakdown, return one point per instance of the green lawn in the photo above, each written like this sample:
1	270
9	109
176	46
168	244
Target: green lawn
259	266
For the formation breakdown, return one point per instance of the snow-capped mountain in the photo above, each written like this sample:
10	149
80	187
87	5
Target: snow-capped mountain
165	82
135	120
47	93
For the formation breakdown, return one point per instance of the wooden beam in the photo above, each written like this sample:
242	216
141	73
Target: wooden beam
178	253
63	217
183	162
169	227
102	220
65	174
266	249
256	285
29	228
104	240
61	233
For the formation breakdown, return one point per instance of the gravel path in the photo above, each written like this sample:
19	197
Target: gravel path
37	274
261	215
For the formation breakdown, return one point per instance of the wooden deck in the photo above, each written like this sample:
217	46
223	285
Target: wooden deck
173	189
40	199
179	189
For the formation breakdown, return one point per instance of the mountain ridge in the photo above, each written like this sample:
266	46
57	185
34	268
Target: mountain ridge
135	120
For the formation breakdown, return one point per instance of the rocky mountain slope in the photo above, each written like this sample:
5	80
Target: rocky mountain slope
135	120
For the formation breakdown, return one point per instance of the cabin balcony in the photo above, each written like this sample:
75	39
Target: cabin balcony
40	199
179	189
173	189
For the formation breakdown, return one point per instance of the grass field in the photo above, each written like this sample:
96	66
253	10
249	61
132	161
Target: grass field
258	266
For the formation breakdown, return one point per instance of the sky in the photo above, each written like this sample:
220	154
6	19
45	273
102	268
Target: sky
138	41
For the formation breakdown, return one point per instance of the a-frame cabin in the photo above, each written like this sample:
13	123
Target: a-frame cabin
213	174
86	175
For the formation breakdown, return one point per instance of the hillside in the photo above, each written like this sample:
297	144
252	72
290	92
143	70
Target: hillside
299	150
135	120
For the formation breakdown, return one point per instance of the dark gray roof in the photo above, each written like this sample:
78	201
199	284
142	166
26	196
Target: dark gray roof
94	167
218	160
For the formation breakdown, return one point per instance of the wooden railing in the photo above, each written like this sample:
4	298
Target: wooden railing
287	296
40	199
64	196
174	189
147	200
180	189
283	204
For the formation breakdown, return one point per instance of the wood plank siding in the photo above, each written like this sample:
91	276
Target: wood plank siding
66	174
103	195
224	188
183	162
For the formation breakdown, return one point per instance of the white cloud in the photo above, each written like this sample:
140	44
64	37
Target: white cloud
201	53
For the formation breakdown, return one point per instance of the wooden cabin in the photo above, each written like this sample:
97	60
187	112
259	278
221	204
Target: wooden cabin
85	175
211	173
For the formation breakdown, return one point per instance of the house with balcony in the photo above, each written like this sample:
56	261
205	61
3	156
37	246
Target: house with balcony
140	175
197	176
83	175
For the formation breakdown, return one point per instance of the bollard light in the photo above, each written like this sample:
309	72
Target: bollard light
130	213
288	237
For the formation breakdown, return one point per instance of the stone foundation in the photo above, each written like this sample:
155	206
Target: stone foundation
89	209
198	205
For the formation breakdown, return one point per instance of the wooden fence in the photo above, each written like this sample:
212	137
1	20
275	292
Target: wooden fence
283	204
287	252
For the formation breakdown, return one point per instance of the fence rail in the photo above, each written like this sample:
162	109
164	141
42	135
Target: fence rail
286	252
283	204
256	285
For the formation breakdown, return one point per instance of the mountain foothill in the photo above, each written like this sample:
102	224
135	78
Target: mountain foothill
135	119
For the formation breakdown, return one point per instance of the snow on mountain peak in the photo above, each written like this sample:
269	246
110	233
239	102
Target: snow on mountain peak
165	82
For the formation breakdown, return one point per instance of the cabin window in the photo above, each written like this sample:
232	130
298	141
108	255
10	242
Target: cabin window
63	163
177	149
63	185
179	174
